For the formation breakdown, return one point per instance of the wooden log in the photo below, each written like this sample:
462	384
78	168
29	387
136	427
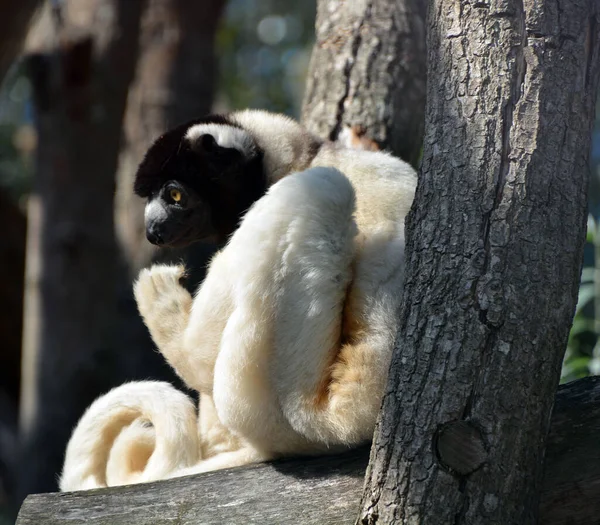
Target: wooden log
328	489
571	488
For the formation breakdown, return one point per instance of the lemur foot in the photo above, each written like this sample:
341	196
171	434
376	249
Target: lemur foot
161	299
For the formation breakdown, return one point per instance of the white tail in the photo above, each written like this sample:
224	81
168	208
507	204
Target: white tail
145	430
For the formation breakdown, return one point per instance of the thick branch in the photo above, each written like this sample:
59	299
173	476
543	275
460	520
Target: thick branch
327	490
494	246
367	72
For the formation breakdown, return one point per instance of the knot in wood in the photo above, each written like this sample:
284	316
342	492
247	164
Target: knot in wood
460	447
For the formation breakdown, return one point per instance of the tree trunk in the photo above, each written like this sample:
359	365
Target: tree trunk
173	82
13	28
80	90
12	264
367	73
494	247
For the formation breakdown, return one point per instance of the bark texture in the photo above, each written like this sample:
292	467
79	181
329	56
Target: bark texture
80	90
494	247
367	73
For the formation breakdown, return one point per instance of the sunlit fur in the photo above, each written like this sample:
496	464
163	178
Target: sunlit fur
289	337
103	436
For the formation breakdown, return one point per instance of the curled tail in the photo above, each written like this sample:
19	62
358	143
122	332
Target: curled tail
137	432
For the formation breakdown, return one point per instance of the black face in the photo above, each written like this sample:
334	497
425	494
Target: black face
176	216
197	192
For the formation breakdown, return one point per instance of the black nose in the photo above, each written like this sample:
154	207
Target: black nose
153	236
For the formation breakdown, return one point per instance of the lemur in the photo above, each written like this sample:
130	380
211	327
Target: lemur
289	337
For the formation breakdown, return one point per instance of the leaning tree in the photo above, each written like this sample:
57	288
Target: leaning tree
367	74
494	248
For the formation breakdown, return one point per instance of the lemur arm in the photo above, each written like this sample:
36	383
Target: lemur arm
174	319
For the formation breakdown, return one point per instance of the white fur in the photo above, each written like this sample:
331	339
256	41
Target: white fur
175	439
154	210
280	138
225	136
289	337
283	141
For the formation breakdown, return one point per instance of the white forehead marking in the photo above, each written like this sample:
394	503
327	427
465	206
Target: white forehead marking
154	211
225	136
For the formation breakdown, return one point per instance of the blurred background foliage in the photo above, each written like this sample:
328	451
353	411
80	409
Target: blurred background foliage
582	357
263	48
17	135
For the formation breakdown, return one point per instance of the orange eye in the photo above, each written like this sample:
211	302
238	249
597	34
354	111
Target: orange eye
175	195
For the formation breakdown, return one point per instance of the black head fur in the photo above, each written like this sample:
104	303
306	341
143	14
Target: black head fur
226	180
160	160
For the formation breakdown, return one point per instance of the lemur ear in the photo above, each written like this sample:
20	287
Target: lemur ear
222	159
208	144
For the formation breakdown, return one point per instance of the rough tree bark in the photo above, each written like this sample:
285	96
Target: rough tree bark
494	246
367	73
80	90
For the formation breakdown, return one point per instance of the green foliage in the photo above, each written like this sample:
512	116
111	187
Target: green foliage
583	350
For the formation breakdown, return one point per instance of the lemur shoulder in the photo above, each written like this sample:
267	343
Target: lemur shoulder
289	337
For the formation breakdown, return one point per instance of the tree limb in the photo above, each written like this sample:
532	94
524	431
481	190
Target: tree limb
367	73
